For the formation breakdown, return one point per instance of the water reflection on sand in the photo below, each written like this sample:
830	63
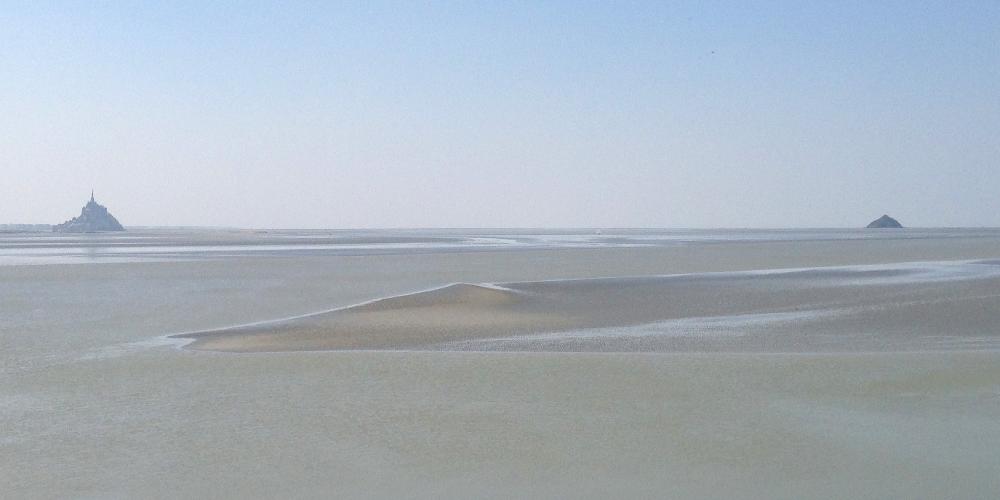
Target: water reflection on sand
875	380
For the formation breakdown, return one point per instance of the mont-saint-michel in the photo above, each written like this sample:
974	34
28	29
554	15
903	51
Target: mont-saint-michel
93	218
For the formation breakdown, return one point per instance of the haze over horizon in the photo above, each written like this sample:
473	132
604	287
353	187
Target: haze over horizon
307	115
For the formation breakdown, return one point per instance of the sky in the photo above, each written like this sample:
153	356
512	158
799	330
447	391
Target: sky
501	114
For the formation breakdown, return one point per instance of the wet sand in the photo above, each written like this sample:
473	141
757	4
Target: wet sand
502	425
825	383
898	303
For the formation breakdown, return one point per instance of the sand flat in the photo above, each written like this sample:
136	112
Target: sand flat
898	302
95	405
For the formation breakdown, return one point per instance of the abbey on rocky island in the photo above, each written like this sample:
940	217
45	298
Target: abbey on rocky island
93	218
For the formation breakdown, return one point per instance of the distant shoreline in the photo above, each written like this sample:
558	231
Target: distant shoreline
9	227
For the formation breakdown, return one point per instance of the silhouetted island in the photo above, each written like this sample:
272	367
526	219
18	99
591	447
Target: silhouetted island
885	222
93	218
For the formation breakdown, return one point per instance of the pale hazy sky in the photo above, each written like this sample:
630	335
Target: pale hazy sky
407	114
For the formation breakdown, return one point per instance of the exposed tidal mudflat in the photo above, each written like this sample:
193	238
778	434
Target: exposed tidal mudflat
747	364
896	307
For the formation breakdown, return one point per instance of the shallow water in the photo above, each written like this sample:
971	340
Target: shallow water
95	402
147	245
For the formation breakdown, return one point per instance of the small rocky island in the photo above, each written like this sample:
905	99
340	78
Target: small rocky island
93	218
885	222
